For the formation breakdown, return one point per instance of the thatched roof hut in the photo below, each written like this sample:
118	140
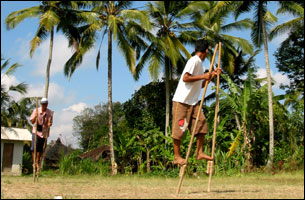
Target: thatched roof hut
95	154
55	152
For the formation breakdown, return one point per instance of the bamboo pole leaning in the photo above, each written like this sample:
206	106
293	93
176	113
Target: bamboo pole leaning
35	142
210	167
182	169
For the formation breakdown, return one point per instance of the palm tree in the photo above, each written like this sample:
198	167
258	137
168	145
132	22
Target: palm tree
13	113
166	48
50	14
262	19
209	18
291	7
111	18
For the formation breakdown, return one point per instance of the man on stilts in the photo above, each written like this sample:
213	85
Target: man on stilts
186	105
41	116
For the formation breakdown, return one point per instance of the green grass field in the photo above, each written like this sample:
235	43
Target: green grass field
252	186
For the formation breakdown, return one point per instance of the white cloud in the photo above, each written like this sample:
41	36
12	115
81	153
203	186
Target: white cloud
7	81
277	77
63	124
76	107
280	38
57	95
61	54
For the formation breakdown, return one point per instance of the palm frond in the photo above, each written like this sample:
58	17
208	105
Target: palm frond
154	66
38	38
127	50
141	16
89	17
182	48
291	7
144	58
99	50
193	8
241	7
232	86
170	50
240	42
20	88
49	20
257	31
235	143
270	18
15	18
239	25
11	69
282	28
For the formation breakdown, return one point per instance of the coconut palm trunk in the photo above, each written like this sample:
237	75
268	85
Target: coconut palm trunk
113	164
271	128
46	89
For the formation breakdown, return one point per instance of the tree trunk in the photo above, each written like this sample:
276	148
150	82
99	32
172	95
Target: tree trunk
46	89
271	128
148	161
113	164
247	148
167	79
237	121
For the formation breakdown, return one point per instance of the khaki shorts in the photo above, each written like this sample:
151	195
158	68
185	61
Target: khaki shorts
184	115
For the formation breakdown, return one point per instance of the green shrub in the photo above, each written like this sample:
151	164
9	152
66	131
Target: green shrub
27	162
73	165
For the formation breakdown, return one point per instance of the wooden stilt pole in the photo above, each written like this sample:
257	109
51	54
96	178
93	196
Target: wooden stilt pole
215	122
35	142
182	170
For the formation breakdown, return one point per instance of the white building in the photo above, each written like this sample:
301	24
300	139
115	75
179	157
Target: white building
12	143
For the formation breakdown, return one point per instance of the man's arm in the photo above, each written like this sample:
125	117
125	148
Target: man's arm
50	122
33	116
187	77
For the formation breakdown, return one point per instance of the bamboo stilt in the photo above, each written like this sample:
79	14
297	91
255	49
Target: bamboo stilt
215	121
35	142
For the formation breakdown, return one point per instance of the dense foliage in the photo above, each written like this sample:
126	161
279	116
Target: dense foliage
289	60
141	146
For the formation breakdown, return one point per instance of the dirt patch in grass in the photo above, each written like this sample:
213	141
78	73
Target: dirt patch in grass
253	186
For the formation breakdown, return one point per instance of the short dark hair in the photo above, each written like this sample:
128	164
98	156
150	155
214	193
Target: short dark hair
201	45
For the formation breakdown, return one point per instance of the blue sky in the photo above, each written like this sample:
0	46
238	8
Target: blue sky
87	87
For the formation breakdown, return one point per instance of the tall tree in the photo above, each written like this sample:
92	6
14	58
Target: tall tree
49	18
290	59
111	18
51	14
209	18
259	35
14	114
296	8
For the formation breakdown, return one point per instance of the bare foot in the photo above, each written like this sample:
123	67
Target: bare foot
180	161
203	156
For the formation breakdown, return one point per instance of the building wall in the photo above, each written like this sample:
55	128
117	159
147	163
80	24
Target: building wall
17	156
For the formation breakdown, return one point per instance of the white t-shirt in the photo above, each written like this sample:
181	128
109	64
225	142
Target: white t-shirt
188	92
